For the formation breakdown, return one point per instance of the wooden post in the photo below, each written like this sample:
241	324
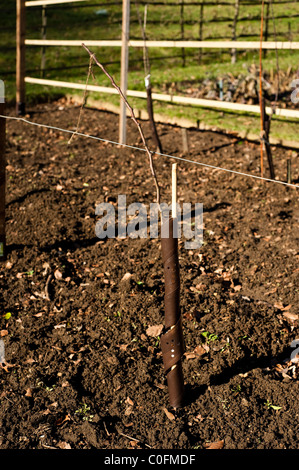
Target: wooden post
200	30
290	31
185	140
182	30
124	69
20	65
44	36
289	171
2	181
174	191
267	26
234	35
266	128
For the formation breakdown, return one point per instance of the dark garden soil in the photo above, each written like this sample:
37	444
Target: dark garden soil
83	367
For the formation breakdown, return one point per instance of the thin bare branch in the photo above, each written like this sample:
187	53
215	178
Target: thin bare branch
149	153
146	62
84	99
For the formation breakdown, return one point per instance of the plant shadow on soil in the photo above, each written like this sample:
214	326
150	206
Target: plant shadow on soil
83	371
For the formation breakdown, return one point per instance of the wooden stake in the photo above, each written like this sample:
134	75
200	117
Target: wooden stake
20	65
234	37
44	36
267	27
174	190
266	130
182	30
124	69
200	30
185	140
2	185
289	171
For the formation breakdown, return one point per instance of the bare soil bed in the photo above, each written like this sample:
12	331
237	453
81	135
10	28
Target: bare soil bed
82	370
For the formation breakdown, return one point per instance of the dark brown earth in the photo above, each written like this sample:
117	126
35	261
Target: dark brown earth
81	370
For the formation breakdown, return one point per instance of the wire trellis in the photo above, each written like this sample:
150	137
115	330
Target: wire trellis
134	147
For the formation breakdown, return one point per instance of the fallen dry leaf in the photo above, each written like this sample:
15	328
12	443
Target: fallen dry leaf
154	330
215	445
129	401
58	275
160	386
63	445
128	410
272	291
280	306
168	414
62	325
62	420
30	361
3	333
199	351
237	288
291	316
28	393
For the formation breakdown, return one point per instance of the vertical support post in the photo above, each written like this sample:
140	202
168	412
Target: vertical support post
172	340
267	26
44	36
290	31
124	69
182	30
266	130
174	191
20	65
234	35
185	140
289	171
2	179
200	30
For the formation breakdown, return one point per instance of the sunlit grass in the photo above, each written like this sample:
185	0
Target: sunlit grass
94	23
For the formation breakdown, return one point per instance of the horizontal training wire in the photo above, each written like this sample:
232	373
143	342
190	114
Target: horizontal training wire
143	150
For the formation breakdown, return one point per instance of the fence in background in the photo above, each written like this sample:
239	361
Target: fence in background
124	44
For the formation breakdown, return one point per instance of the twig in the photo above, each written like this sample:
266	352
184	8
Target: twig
147	72
146	62
47	285
84	99
149	153
107	432
276	53
132	438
